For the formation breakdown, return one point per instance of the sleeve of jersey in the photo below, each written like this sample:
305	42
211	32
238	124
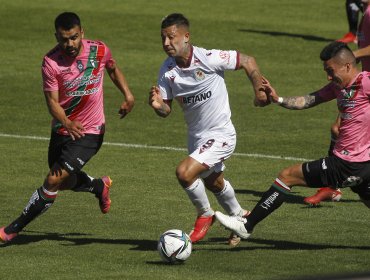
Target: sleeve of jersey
108	59
49	80
328	92
223	60
164	86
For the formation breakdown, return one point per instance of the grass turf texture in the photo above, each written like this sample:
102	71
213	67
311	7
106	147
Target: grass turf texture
74	240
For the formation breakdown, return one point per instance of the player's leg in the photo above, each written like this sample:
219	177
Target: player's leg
353	8
74	156
187	174
225	195
41	200
325	171
327	193
271	200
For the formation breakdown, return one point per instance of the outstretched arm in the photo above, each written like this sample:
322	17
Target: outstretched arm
250	67
119	80
294	102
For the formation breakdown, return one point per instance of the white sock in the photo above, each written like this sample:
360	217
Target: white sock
198	196
227	199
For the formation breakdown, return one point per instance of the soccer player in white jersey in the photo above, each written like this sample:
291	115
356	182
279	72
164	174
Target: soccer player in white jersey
349	166
195	78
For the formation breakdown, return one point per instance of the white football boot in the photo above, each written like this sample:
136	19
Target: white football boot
233	223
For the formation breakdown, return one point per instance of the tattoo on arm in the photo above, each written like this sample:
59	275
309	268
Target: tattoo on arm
300	102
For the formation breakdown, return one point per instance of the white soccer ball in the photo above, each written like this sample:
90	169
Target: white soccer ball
174	246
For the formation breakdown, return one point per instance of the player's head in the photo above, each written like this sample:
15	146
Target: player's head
175	34
339	63
69	33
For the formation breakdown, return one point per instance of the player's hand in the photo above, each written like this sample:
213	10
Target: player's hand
126	106
261	97
75	129
155	98
270	91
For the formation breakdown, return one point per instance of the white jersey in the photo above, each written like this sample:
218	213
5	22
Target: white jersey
201	92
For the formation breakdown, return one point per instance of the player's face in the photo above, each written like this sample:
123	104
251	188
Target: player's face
174	40
70	40
336	72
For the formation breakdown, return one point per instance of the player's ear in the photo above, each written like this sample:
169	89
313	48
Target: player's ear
82	33
186	37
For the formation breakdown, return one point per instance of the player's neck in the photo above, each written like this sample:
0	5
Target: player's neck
184	60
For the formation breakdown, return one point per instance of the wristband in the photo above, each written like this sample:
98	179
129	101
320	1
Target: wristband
280	100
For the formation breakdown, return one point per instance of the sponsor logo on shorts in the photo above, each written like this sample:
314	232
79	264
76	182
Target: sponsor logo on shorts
80	161
68	166
352	181
323	164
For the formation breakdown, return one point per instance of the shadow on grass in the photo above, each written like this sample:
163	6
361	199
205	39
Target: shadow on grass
286	34
78	239
250	245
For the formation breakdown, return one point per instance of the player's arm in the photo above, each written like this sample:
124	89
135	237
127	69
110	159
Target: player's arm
362	52
74	128
160	106
250	67
119	80
293	102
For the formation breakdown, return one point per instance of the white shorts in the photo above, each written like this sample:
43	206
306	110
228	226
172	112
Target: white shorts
213	152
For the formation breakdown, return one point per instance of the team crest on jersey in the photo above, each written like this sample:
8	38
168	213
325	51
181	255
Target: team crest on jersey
80	66
199	75
348	94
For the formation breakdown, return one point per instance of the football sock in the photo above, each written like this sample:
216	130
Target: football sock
352	9
272	199
226	198
39	202
198	196
86	183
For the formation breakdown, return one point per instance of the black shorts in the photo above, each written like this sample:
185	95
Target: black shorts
70	154
337	173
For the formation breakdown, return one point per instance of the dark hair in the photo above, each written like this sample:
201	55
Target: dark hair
175	19
333	49
67	20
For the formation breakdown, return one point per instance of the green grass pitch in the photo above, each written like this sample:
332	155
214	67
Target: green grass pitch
73	240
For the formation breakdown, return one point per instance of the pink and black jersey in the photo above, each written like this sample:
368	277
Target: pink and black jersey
201	91
353	143
79	81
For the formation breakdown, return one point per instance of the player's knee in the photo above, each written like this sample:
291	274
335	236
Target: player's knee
286	175
183	176
52	182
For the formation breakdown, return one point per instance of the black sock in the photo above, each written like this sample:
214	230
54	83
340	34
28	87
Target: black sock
353	8
272	199
84	183
39	202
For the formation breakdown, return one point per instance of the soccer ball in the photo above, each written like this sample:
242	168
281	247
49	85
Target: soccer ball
174	246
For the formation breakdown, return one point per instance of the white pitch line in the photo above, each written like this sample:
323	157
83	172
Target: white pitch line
141	146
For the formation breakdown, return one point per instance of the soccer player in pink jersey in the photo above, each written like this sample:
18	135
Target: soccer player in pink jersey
349	166
195	78
362	54
73	73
